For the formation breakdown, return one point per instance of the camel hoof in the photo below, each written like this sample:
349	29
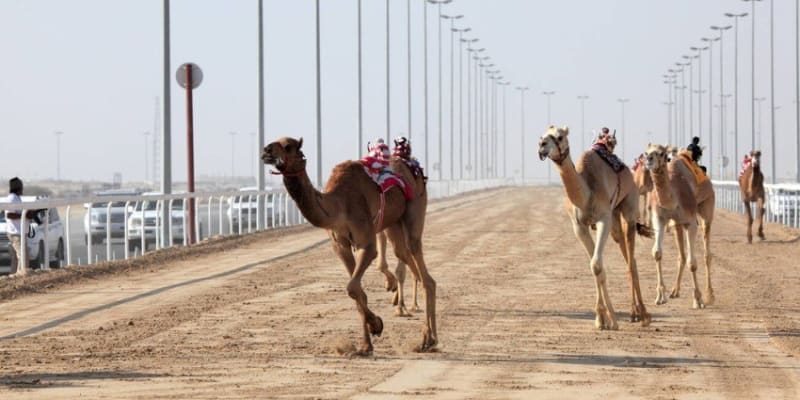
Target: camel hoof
395	298
376	326
676	293
698	304
360	353
415	309
391	284
428	345
401	311
749	240
762	237
646	319
709	298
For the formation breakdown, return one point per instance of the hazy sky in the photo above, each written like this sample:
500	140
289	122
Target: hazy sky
92	69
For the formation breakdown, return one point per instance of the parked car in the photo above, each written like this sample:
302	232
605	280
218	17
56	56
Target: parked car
96	217
146	217
35	241
247	207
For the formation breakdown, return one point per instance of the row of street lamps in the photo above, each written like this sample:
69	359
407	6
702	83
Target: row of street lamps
676	118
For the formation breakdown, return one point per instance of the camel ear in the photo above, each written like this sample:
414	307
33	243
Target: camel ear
300	144
565	129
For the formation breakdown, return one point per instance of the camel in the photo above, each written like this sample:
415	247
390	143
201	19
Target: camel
678	197
596	195
751	185
350	209
644	185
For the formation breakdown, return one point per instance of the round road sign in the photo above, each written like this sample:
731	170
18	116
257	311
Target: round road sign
197	75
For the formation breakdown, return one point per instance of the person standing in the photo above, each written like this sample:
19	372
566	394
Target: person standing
13	225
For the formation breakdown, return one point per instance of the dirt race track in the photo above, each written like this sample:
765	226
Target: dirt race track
262	317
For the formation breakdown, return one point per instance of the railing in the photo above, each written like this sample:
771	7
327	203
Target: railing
216	214
782	202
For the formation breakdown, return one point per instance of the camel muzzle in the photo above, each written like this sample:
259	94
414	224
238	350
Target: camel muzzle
542	155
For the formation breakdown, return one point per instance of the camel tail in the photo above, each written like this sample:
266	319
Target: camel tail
644	230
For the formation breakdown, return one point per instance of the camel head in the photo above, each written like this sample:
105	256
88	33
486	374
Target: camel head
656	157
285	155
672	152
755	156
554	144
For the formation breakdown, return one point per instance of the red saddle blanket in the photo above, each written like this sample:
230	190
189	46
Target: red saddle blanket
385	178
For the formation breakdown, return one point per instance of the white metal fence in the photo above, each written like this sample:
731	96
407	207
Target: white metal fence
216	214
782	201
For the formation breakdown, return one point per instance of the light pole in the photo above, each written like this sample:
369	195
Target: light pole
425	73
753	75
482	115
522	90
772	82
691	90
683	97
388	80
669	81
452	19
408	56
360	89
469	43
700	89
233	153
461	100
723	128
675	88
759	100
548	94
505	132
710	101
253	156
439	4
583	99
58	154
318	104
721	30
146	162
736	81
622	102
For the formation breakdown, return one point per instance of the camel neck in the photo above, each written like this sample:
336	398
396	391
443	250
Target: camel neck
574	185
663	189
313	205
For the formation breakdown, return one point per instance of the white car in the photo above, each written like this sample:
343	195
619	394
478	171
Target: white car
246	206
95	221
146	217
35	241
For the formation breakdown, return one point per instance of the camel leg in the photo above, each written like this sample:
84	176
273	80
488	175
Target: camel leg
371	323
760	204
343	249
585	237
400	305
690	233
383	266
609	320
639	311
749	222
707	210
415	304
616	234
680	242
658	227
413	257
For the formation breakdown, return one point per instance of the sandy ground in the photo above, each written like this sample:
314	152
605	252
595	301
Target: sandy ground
262	316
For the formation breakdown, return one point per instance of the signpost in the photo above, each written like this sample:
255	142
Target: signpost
189	76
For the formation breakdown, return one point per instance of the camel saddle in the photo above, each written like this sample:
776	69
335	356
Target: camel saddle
385	179
699	175
610	158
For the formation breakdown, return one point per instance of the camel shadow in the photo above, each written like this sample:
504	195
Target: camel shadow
68	379
531	314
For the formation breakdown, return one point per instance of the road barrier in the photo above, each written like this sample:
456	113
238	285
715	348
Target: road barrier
216	214
782	201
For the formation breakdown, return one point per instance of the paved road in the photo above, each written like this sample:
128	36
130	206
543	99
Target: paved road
264	317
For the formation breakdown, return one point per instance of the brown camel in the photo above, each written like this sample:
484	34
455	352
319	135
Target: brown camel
395	282
644	185
751	185
678	197
596	195
350	210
